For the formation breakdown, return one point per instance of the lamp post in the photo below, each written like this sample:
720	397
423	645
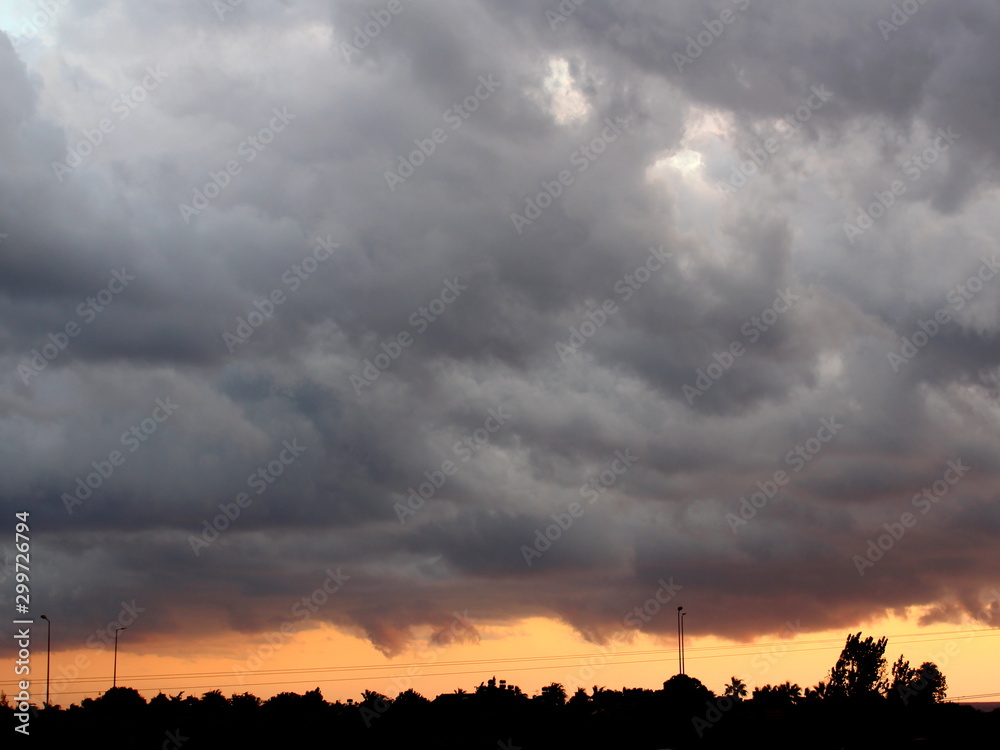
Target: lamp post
48	657
114	679
680	643
683	614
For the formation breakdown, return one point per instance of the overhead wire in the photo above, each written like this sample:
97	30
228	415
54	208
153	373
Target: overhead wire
311	674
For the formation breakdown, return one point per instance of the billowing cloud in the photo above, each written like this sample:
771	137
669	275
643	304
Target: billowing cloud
501	308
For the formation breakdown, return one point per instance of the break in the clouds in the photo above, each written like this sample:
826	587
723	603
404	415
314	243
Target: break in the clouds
505	308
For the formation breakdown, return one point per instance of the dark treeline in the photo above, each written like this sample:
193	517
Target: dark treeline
861	704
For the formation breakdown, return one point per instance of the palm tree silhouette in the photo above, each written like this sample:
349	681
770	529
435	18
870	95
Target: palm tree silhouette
736	688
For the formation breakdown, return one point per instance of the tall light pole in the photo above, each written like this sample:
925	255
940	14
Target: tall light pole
48	657
114	679
680	643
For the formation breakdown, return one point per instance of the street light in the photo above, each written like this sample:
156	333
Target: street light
48	657
680	643
683	614
114	679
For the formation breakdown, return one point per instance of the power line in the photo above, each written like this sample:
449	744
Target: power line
789	646
973	697
307	673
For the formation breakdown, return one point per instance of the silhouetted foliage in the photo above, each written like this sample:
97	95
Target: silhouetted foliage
778	696
498	715
860	671
917	686
736	688
121	699
553	695
684	689
245	702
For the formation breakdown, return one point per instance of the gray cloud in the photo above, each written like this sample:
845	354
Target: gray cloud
385	359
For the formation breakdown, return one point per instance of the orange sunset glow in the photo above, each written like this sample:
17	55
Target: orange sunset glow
573	373
531	653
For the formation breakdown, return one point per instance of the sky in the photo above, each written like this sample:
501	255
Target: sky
341	334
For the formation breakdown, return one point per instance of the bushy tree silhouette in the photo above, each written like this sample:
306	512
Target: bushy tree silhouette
920	687
684	688
553	694
684	714
778	696
860	671
121	699
245	702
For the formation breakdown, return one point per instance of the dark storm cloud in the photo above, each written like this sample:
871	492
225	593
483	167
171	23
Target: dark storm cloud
708	260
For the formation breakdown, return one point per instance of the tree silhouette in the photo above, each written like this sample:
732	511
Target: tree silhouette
735	689
919	687
245	702
410	699
553	694
214	699
580	699
817	693
778	696
860	670
902	676
374	698
684	688
684	714
937	685
121	698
